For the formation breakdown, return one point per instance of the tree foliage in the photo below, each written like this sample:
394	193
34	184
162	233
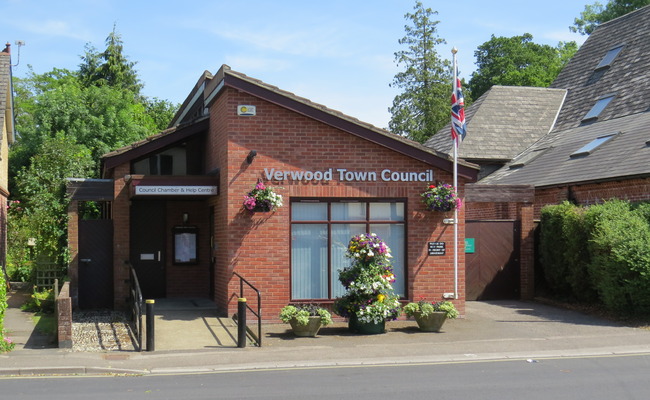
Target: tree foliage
518	61
110	67
423	106
66	121
596	14
42	188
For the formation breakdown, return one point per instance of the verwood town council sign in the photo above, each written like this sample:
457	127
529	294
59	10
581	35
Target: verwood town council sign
345	175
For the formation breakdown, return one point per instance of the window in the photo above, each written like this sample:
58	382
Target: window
168	162
598	107
593	145
609	57
320	232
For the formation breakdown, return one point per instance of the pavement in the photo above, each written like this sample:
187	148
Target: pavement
194	340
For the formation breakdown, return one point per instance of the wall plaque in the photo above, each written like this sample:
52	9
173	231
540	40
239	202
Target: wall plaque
436	248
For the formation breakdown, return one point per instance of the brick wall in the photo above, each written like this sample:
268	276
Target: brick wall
64	317
257	245
73	248
188	280
121	236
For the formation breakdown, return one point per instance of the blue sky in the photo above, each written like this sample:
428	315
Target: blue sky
338	53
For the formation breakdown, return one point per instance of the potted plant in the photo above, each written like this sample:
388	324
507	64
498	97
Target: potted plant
441	197
369	300
262	199
431	316
305	319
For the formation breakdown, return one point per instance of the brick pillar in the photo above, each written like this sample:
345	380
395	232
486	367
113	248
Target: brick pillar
73	248
525	212
64	317
121	231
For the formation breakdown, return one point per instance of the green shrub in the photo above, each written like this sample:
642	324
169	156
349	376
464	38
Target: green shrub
619	247
5	343
40	302
564	254
643	209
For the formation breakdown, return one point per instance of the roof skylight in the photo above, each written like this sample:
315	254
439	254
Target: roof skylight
593	145
609	57
598	107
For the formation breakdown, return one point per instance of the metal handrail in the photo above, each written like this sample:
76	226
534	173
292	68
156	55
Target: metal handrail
136	305
258	314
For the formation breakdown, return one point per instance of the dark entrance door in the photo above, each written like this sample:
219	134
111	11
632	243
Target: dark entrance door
492	271
148	246
95	264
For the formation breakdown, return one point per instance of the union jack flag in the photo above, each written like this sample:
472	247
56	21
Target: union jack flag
458	126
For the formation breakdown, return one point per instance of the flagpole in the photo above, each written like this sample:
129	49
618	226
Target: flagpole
454	51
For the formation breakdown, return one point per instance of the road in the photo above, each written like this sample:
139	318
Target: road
614	377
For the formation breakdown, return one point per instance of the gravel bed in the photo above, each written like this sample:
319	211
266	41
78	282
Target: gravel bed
101	331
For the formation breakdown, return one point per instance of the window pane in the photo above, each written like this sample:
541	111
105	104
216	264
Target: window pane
341	235
598	108
387	211
308	211
348	211
309	261
609	57
393	236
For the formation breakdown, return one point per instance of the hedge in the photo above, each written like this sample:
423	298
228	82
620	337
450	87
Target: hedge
598	253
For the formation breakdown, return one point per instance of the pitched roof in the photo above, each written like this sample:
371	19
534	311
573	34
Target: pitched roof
627	77
503	122
552	161
209	87
626	155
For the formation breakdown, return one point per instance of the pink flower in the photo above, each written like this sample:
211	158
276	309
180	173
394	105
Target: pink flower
260	186
249	202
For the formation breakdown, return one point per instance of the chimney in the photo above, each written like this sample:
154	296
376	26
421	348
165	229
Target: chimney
7	48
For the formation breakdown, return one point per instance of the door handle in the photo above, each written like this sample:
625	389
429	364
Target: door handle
158	255
85	260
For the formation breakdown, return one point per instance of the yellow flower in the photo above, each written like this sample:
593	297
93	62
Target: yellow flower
381	297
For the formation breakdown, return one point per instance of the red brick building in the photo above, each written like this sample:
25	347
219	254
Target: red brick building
338	177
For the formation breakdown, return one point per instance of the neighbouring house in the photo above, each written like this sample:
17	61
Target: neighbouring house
176	212
502	123
599	147
585	139
6	139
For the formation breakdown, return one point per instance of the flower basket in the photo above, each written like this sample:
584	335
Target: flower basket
431	316
309	330
369	300
262	199
441	197
366	328
432	322
305	319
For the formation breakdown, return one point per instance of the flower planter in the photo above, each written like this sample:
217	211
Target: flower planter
432	322
366	328
309	330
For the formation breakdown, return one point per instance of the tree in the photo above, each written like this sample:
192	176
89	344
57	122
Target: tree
596	14
423	106
518	61
102	118
98	106
110	67
41	186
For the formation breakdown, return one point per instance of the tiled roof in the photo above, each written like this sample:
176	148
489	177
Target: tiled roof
628	77
503	122
624	156
628	114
